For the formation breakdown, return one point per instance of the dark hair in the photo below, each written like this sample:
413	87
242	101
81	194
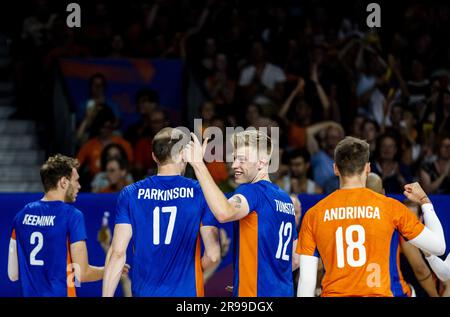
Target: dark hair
164	141
103	116
149	93
377	127
123	163
55	168
104	156
392	134
351	155
95	76
257	106
440	140
300	153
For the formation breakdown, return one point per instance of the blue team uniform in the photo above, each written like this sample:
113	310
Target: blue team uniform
44	231
263	242
165	213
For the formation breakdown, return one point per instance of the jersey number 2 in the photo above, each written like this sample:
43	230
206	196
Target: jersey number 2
285	232
40	243
351	246
156	223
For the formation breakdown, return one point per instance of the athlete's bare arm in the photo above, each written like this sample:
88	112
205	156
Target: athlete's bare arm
116	258
210	237
83	271
420	268
224	210
13	263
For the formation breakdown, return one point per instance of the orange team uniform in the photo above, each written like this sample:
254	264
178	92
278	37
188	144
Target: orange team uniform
91	152
356	233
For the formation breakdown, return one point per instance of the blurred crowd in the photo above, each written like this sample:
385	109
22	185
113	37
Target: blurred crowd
311	68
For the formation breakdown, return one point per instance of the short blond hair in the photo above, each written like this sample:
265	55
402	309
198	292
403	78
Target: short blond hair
253	138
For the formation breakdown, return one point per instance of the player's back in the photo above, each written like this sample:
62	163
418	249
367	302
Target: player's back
356	233
43	231
263	254
165	213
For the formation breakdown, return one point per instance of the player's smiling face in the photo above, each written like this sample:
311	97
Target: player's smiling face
245	164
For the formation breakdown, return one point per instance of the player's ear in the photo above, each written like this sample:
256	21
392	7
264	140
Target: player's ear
367	168
335	169
63	182
154	158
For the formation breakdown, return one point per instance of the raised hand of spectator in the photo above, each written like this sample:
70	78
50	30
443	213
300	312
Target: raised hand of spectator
300	88
314	73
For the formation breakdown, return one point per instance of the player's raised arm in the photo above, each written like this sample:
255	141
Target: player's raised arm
431	239
13	263
116	258
83	270
224	210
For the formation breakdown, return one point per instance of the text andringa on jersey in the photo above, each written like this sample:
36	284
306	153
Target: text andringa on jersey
356	212
164	195
41	221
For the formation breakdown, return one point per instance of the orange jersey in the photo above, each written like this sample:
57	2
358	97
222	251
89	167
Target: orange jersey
356	233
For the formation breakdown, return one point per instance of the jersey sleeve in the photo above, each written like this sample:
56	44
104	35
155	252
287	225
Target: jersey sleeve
249	192
208	218
122	208
77	228
405	221
306	244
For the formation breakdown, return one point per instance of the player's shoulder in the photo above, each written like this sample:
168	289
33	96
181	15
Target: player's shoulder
134	187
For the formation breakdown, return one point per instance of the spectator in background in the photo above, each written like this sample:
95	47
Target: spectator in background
261	81
111	151
117	46
207	113
254	115
116	174
144	163
322	155
387	164
370	132
147	100
419	86
220	86
442	113
97	97
218	168
103	131
357	127
435	175
297	181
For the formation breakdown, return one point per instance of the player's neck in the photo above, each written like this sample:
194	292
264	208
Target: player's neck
261	177
352	182
168	170
53	195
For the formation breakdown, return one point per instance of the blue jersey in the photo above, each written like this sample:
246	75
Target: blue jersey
263	248
165	213
43	231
